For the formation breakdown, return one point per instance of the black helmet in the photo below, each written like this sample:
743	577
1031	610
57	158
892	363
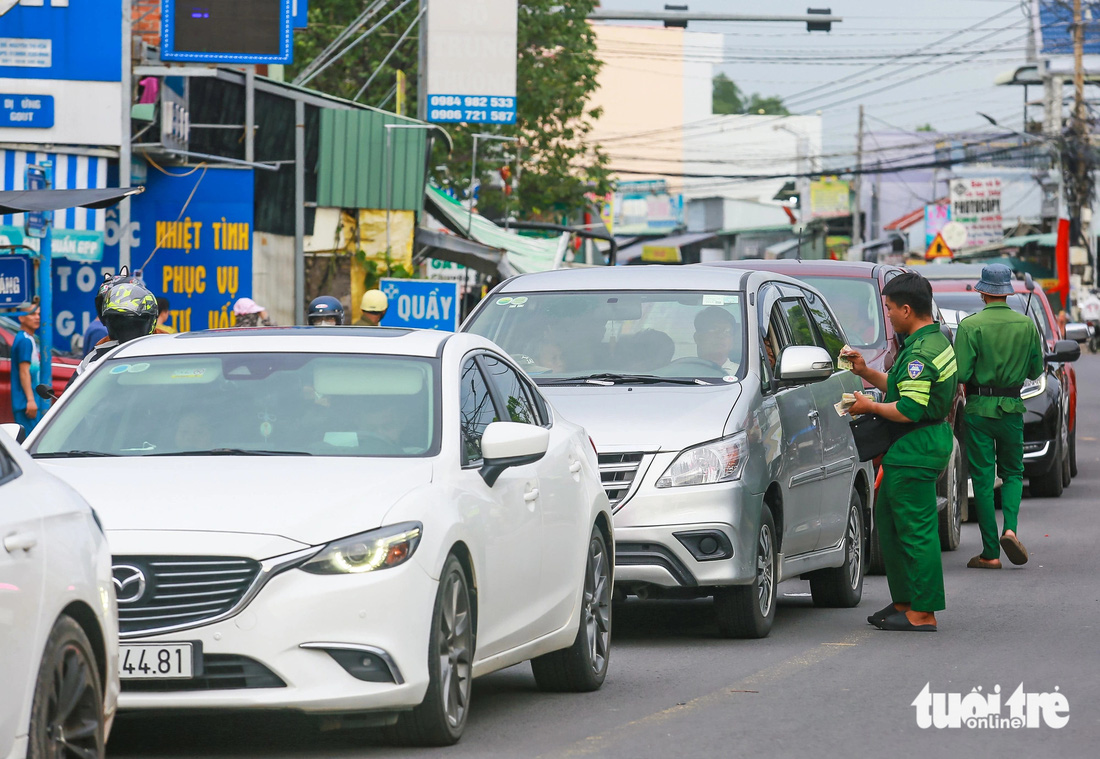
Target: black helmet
325	307
109	281
129	311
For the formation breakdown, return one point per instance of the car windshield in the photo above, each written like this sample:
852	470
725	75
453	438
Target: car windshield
249	404
622	336
858	306
970	302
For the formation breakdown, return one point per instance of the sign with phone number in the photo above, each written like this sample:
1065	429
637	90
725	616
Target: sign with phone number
471	109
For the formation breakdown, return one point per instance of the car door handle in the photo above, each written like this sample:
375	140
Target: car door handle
20	541
575	467
531	495
812	415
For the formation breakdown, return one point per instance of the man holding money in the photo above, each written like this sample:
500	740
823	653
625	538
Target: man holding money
918	391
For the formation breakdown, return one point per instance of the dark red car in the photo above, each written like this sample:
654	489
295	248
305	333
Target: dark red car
1050	419
63	367
854	292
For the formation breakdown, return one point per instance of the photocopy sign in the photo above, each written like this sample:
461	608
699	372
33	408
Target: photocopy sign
421	303
471	61
976	204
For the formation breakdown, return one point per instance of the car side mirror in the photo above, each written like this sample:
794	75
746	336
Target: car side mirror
1065	351
508	444
16	431
803	363
1077	331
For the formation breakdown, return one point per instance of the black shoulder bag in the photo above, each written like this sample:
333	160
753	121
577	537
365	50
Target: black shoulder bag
874	434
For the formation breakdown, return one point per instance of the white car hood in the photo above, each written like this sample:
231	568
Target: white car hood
310	500
645	417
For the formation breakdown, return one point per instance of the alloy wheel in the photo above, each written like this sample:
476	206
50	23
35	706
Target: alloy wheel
597	606
455	649
765	571
73	707
855	548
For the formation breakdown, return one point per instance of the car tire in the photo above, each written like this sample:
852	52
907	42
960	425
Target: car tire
747	611
950	516
876	562
1073	452
441	716
582	667
842	587
1049	484
67	716
1067	469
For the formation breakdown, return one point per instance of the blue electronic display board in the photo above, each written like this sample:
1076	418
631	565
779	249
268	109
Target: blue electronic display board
227	31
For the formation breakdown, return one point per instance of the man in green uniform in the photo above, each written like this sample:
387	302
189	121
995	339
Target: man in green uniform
997	350
918	391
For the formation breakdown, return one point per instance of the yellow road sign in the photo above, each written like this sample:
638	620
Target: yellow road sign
938	249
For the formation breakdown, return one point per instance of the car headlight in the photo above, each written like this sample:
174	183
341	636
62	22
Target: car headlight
378	549
1032	388
719	461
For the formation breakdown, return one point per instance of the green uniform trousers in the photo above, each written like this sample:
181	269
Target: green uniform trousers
996	446
908	531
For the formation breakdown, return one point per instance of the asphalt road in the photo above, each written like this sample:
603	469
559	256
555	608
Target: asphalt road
824	684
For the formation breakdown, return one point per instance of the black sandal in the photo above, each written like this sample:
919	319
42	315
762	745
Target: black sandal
882	614
899	622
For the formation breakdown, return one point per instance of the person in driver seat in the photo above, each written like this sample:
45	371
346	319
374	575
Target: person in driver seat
715	330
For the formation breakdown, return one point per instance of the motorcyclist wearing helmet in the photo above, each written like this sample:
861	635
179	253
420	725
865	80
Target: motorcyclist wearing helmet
96	332
325	311
129	311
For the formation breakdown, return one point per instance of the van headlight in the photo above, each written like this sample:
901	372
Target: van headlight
718	461
378	549
1032	388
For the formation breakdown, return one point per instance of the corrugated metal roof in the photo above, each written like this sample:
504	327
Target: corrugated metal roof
354	170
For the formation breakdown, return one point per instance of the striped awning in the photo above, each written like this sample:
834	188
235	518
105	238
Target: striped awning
70	172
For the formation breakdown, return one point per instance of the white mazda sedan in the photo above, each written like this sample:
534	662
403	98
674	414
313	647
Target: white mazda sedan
337	520
58	622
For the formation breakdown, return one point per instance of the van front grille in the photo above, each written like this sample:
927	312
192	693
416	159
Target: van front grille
617	473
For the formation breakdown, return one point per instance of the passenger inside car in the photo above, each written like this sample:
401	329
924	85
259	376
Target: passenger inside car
644	352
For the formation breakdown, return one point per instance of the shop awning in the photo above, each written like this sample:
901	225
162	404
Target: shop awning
522	254
665	250
22	201
444	246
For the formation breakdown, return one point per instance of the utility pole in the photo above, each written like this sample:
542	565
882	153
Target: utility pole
857	216
1081	210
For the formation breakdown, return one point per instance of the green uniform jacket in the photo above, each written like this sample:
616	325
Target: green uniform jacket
997	347
923	381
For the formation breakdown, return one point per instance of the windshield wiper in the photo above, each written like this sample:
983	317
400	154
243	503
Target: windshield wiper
622	379
231	452
71	454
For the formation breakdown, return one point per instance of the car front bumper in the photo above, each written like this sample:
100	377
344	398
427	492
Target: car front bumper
658	533
286	630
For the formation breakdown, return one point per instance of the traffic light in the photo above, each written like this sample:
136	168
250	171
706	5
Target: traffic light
819	26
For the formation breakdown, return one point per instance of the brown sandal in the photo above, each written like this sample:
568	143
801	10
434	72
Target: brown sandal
979	563
1014	549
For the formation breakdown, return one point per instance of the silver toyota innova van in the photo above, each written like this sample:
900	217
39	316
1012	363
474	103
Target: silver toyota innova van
709	395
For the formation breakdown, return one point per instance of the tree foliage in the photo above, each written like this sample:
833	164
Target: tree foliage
556	76
728	98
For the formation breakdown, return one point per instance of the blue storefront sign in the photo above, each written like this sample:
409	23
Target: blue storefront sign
421	303
200	260
15	280
299	9
471	109
53	41
26	111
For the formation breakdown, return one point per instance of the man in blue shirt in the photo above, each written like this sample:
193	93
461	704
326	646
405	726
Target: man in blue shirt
95	332
26	360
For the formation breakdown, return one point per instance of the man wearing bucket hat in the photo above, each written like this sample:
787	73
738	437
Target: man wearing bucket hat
374	306
996	350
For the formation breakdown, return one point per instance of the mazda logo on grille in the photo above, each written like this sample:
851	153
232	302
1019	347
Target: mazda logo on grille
129	583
